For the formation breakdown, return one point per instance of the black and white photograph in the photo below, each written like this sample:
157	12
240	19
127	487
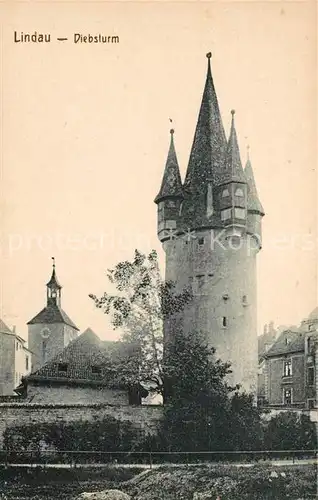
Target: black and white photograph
158	250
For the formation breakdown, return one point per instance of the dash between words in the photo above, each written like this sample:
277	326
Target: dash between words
36	37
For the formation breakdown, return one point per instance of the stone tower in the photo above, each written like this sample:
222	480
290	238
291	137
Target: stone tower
210	229
51	329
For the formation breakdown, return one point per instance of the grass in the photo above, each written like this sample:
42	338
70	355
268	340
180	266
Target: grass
296	482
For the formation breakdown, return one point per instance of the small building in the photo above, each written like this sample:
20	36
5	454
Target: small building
15	359
290	367
87	371
51	329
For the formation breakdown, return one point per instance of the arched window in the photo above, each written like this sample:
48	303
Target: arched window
239	192
225	193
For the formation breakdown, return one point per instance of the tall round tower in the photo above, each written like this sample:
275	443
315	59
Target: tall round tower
210	228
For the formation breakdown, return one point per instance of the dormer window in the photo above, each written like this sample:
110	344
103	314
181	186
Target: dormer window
239	192
239	213
225	193
226	214
201	241
287	341
96	370
62	367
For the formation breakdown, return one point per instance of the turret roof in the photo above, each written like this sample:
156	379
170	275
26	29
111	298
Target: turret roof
253	201
171	183
233	171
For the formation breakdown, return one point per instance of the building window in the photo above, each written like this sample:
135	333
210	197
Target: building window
62	367
96	370
171	203
287	396
288	368
225	297
244	300
200	278
311	375
226	214
225	193
224	321
26	362
17	346
201	241
239	192
239	213
311	403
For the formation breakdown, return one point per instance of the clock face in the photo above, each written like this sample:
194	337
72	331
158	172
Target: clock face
45	333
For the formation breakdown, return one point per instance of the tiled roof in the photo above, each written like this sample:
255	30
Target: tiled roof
52	313
207	154
4	328
87	359
314	314
171	183
233	170
287	342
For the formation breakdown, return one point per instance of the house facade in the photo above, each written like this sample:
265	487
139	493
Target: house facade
290	367
15	360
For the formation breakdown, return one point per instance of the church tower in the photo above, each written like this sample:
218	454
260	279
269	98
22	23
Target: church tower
210	229
51	329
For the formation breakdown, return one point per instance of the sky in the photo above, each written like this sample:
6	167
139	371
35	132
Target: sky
85	135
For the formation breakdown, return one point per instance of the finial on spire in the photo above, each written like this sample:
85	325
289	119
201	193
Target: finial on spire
53	262
232	112
171	131
209	55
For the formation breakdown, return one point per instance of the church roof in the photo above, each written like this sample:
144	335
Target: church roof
52	313
171	183
86	360
253	201
233	170
288	342
4	328
53	283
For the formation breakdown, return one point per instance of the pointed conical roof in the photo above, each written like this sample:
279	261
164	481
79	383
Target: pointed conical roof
171	183
253	202
53	283
207	154
233	171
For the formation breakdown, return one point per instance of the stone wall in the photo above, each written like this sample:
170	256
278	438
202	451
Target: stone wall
144	417
75	394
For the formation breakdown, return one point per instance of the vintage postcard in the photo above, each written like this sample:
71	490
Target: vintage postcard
158	250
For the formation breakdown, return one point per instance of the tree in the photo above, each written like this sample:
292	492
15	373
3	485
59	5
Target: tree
139	306
204	412
290	431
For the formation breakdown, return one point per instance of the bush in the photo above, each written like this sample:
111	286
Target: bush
289	431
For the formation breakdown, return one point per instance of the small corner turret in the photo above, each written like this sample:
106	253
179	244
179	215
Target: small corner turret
255	210
170	195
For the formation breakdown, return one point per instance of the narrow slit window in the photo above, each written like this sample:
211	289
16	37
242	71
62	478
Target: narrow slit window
224	321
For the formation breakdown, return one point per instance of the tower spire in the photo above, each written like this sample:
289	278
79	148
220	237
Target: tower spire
233	171
53	287
171	185
209	142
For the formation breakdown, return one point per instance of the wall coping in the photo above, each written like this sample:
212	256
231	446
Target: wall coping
74	405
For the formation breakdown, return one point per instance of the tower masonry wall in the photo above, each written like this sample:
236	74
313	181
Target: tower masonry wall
44	349
222	275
